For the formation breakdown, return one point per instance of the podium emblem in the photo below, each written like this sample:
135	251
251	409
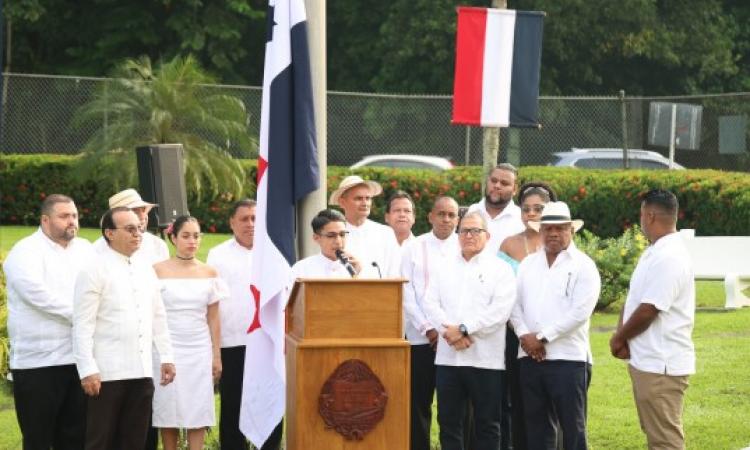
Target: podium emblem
352	400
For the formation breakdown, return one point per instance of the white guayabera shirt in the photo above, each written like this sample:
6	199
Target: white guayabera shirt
118	317
40	276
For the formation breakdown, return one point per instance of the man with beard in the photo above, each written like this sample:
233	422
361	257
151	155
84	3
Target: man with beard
41	271
503	216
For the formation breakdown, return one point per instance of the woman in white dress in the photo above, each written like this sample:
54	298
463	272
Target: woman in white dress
191	291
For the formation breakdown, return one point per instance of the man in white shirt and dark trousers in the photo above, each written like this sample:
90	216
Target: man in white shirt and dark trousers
40	272
232	259
469	301
152	251
558	289
118	317
655	329
421	260
373	243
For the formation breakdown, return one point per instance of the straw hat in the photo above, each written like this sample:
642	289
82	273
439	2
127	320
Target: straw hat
351	181
556	212
129	198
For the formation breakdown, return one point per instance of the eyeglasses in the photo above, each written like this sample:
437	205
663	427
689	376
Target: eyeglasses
132	229
474	232
535	208
333	235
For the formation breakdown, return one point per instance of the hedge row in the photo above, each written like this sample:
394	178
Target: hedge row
713	202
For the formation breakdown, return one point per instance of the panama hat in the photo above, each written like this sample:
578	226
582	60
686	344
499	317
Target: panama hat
129	198
556	212
351	181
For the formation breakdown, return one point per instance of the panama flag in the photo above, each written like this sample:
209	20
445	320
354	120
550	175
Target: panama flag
498	58
287	171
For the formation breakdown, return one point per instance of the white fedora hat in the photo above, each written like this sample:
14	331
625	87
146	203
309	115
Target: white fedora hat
351	181
129	198
556	212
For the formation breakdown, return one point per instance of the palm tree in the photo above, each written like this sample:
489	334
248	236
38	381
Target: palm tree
169	104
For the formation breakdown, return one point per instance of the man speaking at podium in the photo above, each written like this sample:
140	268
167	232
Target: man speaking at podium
329	232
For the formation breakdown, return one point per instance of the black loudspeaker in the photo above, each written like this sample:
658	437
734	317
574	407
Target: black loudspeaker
161	175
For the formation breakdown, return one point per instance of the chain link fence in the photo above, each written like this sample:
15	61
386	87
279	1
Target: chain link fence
38	117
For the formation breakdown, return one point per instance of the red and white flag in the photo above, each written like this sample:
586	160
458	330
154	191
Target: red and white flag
498	59
287	171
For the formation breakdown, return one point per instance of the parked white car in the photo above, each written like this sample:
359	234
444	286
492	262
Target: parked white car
611	158
405	162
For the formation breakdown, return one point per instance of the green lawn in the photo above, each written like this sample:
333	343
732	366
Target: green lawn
717	408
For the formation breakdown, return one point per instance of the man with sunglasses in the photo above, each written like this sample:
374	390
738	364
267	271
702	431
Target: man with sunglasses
118	315
329	232
152	249
469	301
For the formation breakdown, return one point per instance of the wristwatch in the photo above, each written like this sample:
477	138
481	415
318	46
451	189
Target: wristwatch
540	337
463	330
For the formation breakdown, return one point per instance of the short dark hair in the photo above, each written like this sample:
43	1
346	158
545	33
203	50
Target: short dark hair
325	217
50	201
244	203
508	167
662	199
108	221
539	188
177	225
395	196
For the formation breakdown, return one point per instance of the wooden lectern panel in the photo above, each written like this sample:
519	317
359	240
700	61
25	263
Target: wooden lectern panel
342	309
359	323
311	365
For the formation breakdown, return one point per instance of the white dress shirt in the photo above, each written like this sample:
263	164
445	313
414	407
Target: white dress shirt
664	278
318	266
478	293
503	225
118	317
558	302
40	276
153	249
419	265
376	242
234	264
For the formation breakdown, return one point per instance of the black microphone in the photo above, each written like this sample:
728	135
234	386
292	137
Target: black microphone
375	265
345	261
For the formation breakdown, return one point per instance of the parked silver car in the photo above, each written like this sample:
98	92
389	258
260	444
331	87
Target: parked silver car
405	162
611	158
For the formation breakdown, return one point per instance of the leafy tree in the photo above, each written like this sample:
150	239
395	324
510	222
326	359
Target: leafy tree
91	37
169	104
642	46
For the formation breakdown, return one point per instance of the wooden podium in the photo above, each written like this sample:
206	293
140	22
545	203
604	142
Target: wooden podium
347	366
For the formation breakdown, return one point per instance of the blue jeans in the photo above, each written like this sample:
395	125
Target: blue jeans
485	389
